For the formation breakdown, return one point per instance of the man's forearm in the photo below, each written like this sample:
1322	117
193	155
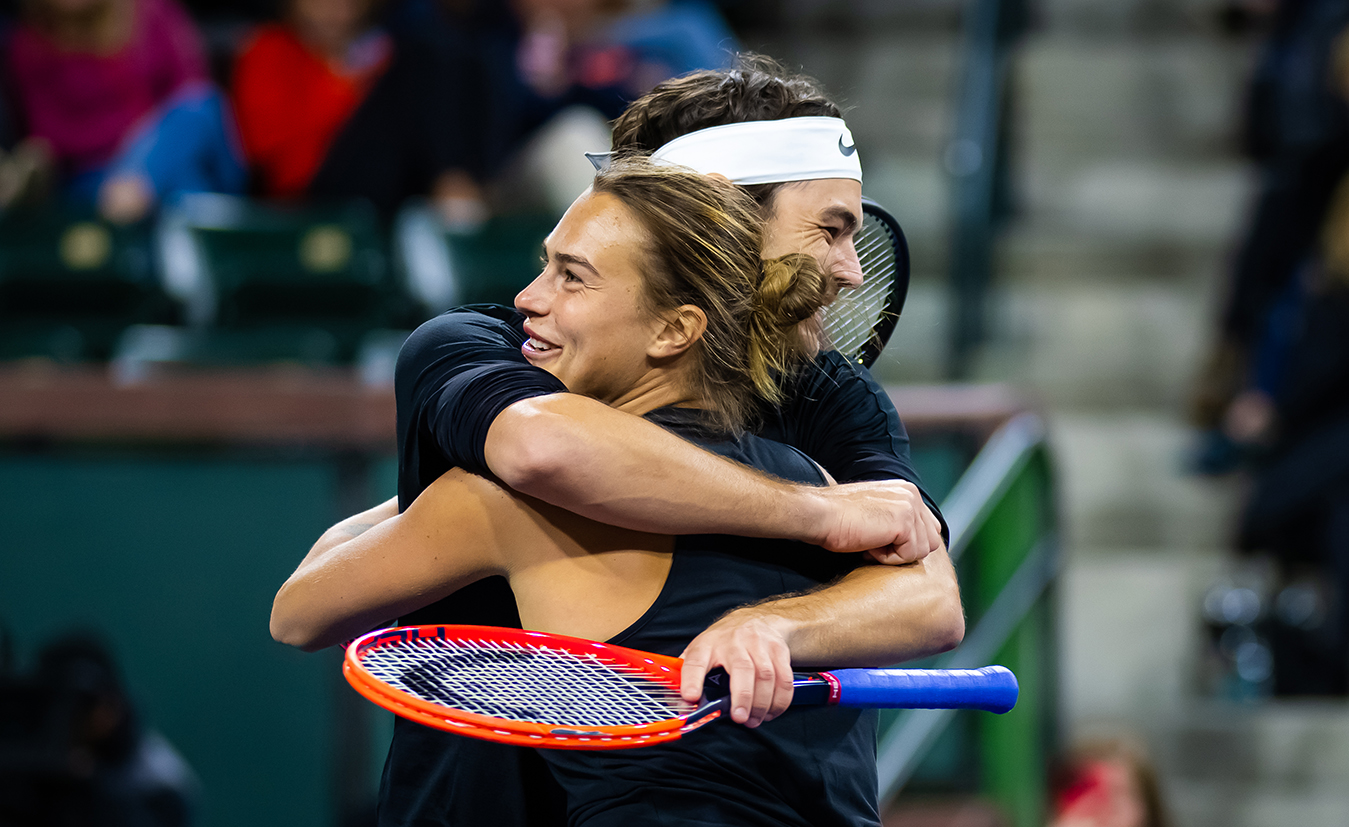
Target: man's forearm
875	616
616	468
619	469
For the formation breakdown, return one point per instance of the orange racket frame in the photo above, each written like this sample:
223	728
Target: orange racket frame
657	668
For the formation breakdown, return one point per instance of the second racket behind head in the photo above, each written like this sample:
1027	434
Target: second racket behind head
859	323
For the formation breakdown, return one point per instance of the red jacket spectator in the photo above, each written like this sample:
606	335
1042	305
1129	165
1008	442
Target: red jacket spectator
291	102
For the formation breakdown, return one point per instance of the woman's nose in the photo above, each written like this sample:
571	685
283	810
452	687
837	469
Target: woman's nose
530	301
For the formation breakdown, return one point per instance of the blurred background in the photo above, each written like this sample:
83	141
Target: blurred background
1123	362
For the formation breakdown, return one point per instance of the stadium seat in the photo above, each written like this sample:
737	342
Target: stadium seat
70	283
443	268
254	277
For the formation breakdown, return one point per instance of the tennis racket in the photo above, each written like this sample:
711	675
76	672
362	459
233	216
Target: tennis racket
860	321
542	690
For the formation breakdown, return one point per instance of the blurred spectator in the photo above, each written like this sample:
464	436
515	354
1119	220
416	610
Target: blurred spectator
113	96
331	106
108	770
548	75
1298	509
1107	783
1289	325
1297	130
581	62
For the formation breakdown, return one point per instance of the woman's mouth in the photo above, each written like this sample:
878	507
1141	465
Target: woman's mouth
538	345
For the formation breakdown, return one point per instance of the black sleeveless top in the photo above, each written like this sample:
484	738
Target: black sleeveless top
810	767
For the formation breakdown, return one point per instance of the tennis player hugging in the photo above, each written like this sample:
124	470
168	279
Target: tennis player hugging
655	300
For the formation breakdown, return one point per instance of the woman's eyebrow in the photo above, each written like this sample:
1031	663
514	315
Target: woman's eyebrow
568	258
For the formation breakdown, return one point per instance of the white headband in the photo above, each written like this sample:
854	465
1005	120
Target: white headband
765	152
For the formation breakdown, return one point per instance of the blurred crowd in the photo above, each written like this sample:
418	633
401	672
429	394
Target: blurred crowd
1273	399
479	106
74	750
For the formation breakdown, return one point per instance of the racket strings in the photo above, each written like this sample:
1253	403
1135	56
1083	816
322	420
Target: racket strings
851	321
524	683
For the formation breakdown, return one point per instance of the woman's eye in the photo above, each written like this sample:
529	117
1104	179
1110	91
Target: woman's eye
568	275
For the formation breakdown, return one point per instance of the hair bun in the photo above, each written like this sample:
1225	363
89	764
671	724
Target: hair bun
791	290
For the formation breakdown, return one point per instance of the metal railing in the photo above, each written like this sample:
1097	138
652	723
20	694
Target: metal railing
1004	540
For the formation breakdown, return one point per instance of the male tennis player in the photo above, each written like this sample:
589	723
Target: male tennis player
467	398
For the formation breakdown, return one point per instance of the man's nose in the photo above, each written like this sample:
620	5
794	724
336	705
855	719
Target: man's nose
847	267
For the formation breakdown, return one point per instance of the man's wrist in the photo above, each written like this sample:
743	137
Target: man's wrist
773	616
807	514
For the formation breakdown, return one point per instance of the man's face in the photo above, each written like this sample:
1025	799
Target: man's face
818	218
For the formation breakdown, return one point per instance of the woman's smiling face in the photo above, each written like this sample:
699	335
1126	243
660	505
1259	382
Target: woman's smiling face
586	319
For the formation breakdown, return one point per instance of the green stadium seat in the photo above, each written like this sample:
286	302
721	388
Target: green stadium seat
254	277
443	268
70	283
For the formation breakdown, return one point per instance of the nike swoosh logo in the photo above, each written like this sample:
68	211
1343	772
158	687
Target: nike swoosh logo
846	150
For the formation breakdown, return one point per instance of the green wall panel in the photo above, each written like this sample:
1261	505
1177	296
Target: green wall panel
175	561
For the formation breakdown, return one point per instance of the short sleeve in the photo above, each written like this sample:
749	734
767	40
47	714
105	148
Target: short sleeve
841	417
455	375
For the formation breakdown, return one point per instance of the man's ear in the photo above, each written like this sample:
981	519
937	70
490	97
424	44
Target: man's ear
682	329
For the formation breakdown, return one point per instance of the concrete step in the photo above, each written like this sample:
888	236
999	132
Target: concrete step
1124	485
1227	805
1145	201
1114	19
1096	346
1089	345
1040	252
1265	765
1172	97
1129	630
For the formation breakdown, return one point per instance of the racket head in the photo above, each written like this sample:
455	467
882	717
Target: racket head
519	687
860	321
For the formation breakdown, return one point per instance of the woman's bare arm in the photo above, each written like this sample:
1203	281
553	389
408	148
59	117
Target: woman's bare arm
379	564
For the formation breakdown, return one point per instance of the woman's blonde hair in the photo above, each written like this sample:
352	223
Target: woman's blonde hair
704	237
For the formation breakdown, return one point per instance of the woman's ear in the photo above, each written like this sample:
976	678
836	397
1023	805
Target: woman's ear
682	329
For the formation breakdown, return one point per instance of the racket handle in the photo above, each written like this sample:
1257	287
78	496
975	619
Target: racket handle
992	688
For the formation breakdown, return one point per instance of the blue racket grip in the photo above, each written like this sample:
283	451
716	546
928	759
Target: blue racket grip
993	688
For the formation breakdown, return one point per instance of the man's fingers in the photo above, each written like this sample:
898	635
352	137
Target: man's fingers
921	546
742	672
696	665
765	687
783	689
933	530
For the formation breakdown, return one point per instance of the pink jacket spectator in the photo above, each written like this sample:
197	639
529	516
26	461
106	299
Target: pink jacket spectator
86	104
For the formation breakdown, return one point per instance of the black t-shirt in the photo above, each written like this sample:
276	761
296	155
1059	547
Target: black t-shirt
454	375
810	767
839	415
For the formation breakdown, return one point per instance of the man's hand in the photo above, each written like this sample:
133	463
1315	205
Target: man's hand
752	647
886	519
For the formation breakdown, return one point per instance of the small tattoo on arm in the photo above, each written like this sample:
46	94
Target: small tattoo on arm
357	529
